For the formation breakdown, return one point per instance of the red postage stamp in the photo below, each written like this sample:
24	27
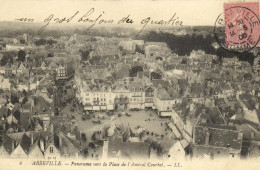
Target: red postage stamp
242	24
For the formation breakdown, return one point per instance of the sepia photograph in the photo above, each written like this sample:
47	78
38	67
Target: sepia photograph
120	84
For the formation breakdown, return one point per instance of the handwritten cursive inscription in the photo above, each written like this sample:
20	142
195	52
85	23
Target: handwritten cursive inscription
25	19
57	20
173	21
88	18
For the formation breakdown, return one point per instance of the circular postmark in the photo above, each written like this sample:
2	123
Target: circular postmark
237	29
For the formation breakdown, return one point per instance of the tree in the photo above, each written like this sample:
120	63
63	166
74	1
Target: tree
49	55
159	58
133	71
25	100
183	61
84	54
14	99
22	41
155	75
95	60
40	42
248	76
51	42
195	41
7	58
21	55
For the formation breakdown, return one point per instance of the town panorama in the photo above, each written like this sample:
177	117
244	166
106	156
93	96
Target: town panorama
106	93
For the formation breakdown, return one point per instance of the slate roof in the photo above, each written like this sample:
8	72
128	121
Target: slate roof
7	144
69	146
25	143
40	103
163	94
136	86
219	102
222	136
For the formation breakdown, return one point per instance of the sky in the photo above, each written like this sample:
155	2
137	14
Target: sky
198	12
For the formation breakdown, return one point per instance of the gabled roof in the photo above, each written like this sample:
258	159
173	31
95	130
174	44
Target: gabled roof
35	144
69	146
4	111
162	94
120	88
40	103
24	120
25	143
7	144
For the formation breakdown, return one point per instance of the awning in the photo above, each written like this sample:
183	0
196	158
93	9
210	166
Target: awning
88	108
96	107
110	107
166	114
103	107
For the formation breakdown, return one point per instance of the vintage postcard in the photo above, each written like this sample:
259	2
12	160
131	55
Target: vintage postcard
118	84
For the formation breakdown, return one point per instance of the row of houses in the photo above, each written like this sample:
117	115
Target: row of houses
45	144
119	96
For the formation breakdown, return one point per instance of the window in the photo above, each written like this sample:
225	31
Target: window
51	149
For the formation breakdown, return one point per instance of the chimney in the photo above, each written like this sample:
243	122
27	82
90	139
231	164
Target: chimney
240	135
42	145
32	139
203	111
13	145
51	128
44	127
239	114
60	140
105	150
207	138
203	116
252	134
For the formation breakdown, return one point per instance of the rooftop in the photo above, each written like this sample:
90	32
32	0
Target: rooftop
219	136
